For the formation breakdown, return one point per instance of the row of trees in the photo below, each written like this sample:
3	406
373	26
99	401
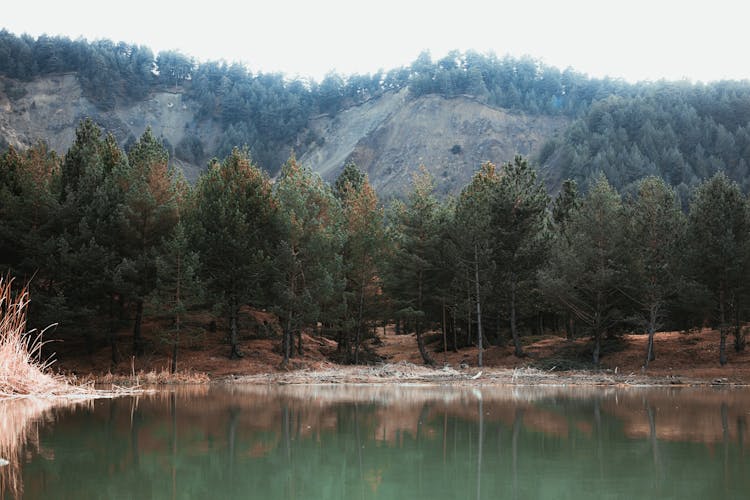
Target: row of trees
107	236
683	133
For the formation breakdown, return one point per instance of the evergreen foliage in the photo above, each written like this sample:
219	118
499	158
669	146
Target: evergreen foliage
236	234
587	269
309	280
362	256
519	239
718	237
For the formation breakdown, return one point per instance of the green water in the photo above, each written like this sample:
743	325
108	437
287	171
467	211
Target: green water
352	442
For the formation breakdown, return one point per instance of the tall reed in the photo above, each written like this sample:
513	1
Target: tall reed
23	371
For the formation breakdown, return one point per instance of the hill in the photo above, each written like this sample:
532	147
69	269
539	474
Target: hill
449	114
390	136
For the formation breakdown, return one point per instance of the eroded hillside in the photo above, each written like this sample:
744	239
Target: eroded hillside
391	136
50	108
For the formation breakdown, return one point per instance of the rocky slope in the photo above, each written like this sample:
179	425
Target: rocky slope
392	136
50	108
389	137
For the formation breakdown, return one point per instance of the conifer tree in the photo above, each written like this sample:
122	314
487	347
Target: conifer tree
655	230
411	276
88	245
177	266
149	218
235	231
565	204
308	261
718	242
472	235
519	238
29	205
586	270
362	252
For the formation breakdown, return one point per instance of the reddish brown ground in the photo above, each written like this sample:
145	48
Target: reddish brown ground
693	355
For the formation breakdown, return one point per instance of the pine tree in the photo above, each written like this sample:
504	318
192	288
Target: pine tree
519	238
586	270
150	214
472	235
412	276
177	267
235	232
362	252
565	204
29	205
88	245
718	242
655	230
308	261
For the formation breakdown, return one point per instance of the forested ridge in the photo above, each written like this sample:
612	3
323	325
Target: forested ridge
680	131
110	237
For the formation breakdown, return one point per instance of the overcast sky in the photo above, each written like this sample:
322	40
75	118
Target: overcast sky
634	40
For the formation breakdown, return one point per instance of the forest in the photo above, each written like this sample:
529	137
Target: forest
109	237
681	131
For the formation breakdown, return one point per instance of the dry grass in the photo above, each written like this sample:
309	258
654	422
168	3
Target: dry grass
22	369
152	377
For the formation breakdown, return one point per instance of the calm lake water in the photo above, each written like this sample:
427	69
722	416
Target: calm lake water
364	442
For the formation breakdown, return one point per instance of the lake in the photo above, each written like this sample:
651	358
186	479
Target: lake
383	442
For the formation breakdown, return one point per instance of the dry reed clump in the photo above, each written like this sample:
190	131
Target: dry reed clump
22	369
153	377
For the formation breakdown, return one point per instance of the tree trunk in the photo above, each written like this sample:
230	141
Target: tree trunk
650	356
455	335
569	326
722	331
111	333
173	366
445	336
137	342
360	312
597	346
518	350
422	349
178	325
235	353
468	310
739	334
286	341
479	307
299	342
420	341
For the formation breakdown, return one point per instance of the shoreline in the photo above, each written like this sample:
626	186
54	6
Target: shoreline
405	373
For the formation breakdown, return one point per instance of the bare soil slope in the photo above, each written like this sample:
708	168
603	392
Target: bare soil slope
392	136
50	108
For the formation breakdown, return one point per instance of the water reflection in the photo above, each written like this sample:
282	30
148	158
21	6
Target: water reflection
383	442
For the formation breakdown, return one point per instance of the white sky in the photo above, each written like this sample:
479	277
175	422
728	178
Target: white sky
634	40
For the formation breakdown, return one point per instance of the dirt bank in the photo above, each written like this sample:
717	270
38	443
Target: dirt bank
682	358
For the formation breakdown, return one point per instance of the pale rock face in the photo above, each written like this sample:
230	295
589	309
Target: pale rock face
389	136
53	106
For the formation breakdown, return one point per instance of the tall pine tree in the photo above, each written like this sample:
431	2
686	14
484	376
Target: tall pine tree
235	231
